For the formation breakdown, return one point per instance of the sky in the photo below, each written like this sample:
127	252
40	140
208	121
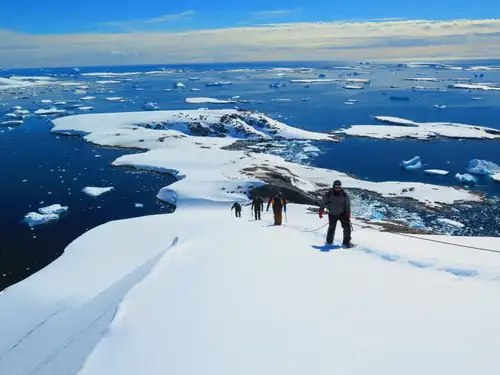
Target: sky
101	32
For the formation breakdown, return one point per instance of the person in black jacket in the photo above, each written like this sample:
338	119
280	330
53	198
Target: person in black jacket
339	209
257	206
279	205
237	209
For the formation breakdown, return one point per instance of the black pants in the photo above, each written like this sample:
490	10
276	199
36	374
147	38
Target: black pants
257	214
346	226
238	213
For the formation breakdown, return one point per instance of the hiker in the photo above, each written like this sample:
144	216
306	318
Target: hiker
279	205
257	206
237	209
339	209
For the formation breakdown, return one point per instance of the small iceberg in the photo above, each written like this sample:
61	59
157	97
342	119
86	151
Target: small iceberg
482	167
12	123
437	106
96	191
138	205
452	223
466	178
34	219
45	101
277	85
49	111
150	106
354	87
85	98
53	209
114	99
411	164
86	108
496	177
179	85
436	172
218	84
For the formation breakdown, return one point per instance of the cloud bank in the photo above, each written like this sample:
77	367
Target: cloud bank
371	40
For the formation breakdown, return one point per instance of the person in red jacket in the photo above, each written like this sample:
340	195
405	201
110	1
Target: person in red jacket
339	209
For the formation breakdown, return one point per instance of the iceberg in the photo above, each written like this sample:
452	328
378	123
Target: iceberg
86	108
482	167
178	85
45	101
413	163
202	100
12	123
138	205
85	98
150	106
496	177
107	82
436	172
34	219
96	191
114	99
354	87
466	178
49	111
218	84
438	106
53	209
482	87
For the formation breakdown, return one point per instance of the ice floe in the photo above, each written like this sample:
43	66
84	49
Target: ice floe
34	219
150	106
450	222
49	111
482	167
202	100
86	108
439	106
12	123
53	209
496	177
414	163
466	178
138	205
179	85
422	130
86	98
107	82
114	99
436	172
422	79
110	74
354	87
483	87
96	191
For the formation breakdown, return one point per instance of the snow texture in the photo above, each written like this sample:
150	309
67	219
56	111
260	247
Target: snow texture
422	130
96	191
151	295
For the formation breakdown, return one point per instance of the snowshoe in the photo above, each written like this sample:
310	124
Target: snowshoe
348	245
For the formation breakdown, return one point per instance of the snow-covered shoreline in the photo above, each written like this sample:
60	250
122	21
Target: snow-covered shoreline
206	172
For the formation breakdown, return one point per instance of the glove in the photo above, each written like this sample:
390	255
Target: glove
321	214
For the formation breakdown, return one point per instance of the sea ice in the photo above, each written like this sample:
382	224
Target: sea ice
138	205
86	108
438	106
53	209
354	87
413	163
12	123
88	98
96	191
150	106
107	82
482	167
179	85
496	177
34	219
466	178
436	172
452	223
202	100
114	98
49	111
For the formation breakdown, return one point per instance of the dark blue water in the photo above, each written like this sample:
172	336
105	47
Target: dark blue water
62	166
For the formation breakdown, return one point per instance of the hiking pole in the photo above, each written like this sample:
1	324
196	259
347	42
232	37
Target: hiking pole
286	219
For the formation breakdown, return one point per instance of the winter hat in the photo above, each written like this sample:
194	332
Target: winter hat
337	183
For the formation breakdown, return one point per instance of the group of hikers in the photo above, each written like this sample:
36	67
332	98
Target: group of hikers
335	201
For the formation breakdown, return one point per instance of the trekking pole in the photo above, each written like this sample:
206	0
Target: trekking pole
286	219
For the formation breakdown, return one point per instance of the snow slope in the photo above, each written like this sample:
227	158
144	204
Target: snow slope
402	128
199	291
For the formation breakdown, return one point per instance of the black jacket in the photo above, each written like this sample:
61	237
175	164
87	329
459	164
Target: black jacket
278	202
257	204
337	203
236	206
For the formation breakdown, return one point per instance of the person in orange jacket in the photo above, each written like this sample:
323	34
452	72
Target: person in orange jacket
279	205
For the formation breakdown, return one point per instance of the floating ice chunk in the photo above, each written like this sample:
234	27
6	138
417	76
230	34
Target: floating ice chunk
179	85
195	89
46	101
476	98
12	115
22	112
437	106
96	191
413	163
202	100
218	84
436	172
34	219
53	209
466	178
114	98
86	108
482	167
12	123
150	106
107	82
138	205
466	86
354	87
395	120
422	79
452	223
318	80
88	98
60	103
496	177
49	111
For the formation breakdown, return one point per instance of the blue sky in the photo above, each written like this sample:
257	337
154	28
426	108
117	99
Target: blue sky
103	16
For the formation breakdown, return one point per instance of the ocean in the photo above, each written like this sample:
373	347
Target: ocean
40	168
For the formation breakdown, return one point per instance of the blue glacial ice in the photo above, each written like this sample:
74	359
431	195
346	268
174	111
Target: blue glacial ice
466	178
411	164
482	167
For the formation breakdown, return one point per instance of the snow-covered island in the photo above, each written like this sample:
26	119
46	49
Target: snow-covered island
202	292
403	128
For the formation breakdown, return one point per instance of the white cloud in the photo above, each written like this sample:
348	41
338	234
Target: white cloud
163	19
368	40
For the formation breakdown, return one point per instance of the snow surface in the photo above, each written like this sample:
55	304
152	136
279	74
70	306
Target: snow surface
436	172
96	191
151	295
53	209
419	130
206	171
202	100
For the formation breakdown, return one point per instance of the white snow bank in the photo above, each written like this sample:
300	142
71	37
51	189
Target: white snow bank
414	163
153	296
436	172
482	167
202	100
452	223
422	130
53	209
34	219
96	191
